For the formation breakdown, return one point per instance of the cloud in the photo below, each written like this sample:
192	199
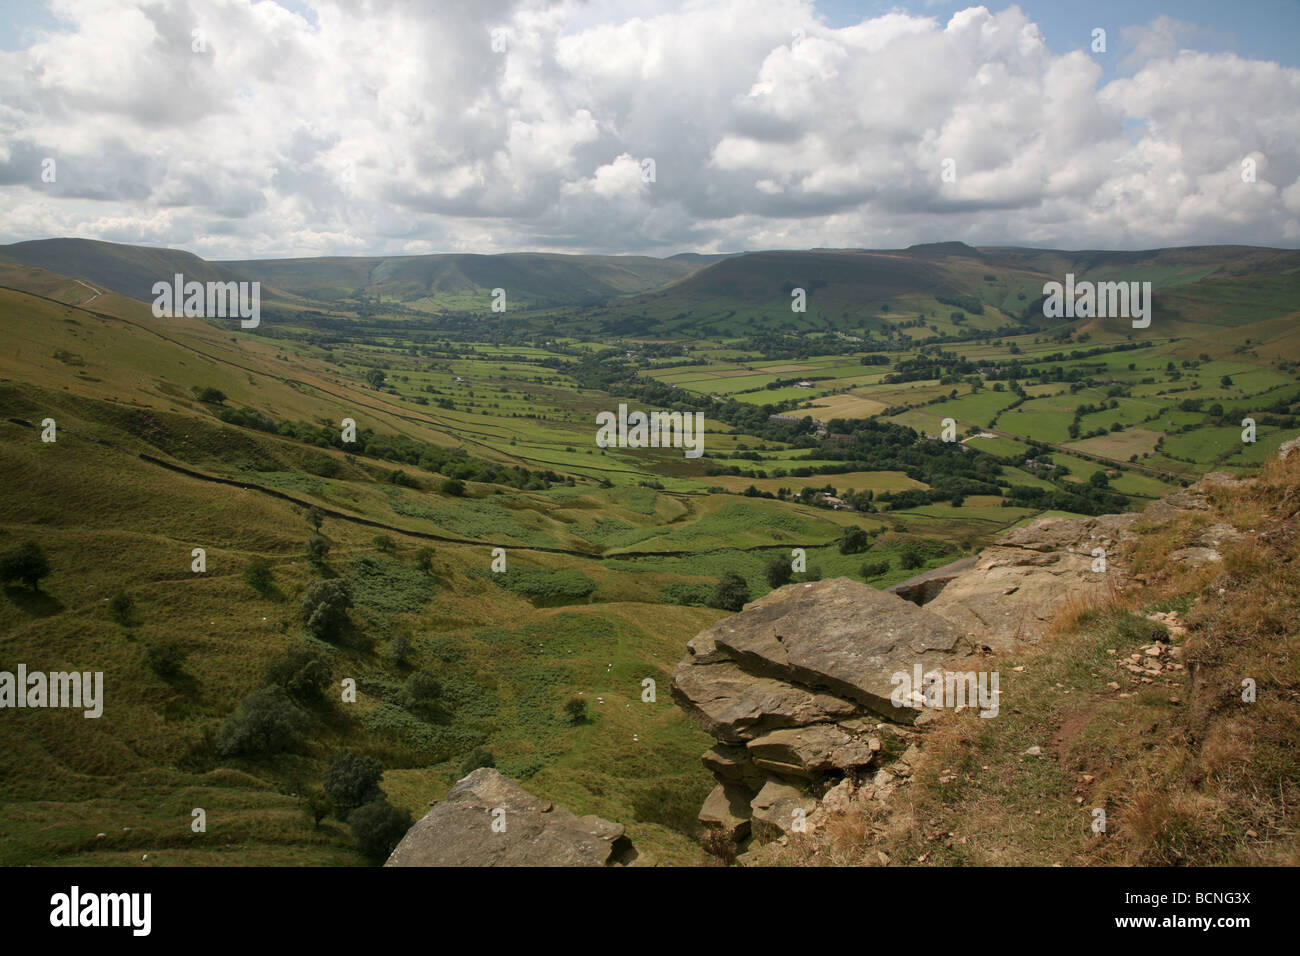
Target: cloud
395	125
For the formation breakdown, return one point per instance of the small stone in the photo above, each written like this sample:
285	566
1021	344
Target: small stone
1034	751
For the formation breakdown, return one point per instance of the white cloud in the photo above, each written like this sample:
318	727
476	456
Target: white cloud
393	126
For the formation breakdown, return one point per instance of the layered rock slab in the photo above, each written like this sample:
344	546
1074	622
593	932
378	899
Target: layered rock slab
459	830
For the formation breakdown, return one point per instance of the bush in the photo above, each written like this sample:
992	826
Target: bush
352	779
399	648
26	563
575	708
731	594
384	543
874	569
422	687
424	559
212	396
257	575
378	827
453	486
481	757
687	595
909	559
778	572
166	660
854	541
302	673
266	723
122	609
317	549
325	607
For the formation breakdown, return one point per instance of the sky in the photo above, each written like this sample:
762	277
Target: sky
238	129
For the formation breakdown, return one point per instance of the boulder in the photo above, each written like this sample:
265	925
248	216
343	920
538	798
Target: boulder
837	635
1019	585
727	808
732	706
459	830
812	752
778	808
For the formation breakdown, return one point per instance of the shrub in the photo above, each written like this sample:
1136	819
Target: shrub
26	563
909	558
166	660
122	609
399	648
352	779
302	673
874	569
266	723
453	486
688	595
257	575
325	607
378	827
731	594
854	541
422	687
778	572
317	549
575	708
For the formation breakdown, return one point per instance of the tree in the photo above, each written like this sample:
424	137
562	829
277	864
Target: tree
422	687
1226	381
26	563
575	708
874	569
314	517
778	572
378	827
384	543
854	541
317	549
351	779
424	559
212	396
454	487
325	607
302	673
910	558
257	575
731	594
122	609
267	723
399	648
376	377
1098	479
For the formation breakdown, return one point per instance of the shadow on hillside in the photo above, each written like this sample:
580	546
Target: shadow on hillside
35	603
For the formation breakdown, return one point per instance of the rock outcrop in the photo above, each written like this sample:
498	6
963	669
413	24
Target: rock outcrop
460	830
796	689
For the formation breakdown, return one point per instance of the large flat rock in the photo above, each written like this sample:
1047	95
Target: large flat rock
1018	586
732	706
459	830
837	635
